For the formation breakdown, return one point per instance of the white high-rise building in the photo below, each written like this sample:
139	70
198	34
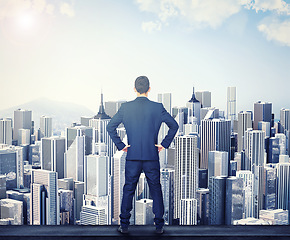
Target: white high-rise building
215	135
46	126
204	97
194	107
12	209
92	215
74	159
22	120
24	136
52	154
285	119
282	143
118	184
248	178
96	175
186	170
44	208
231	103
218	164
112	107
6	131
244	122
283	186
275	216
143	213
188	211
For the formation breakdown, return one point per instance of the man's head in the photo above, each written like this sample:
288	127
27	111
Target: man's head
142	85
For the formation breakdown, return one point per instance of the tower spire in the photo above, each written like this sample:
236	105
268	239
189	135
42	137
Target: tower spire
193	98
101	114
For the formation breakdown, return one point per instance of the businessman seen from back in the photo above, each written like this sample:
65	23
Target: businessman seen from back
142	119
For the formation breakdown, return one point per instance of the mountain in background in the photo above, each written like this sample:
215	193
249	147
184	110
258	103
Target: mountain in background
63	114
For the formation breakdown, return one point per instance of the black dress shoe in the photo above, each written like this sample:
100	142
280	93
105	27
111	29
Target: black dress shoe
122	229
159	230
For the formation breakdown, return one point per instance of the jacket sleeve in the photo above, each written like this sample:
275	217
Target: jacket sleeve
173	127
112	128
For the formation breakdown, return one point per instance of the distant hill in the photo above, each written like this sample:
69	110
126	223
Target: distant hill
63	114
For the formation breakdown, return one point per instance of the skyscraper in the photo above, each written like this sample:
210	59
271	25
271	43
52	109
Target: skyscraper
143	213
234	200
283	186
8	163
218	164
6	131
12	209
194	107
167	185
285	119
270	187
244	122
204	97
262	112
231	103
186	170
44	198
112	107
46	126
52	154
215	134
24	137
202	205
22	120
188	211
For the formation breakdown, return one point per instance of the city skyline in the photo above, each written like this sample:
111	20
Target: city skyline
75	49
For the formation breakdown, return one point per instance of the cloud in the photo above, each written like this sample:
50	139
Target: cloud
277	31
151	26
279	6
67	9
14	8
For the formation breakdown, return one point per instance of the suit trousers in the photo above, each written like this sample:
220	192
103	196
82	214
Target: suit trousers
133	169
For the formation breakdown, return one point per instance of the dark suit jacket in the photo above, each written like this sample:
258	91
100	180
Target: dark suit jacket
142	119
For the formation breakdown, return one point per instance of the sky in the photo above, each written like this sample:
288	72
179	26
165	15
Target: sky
72	50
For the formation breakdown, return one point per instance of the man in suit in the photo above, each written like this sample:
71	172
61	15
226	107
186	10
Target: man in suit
142	119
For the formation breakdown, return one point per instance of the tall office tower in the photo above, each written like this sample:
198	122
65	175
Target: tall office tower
46	126
52	154
234	200
66	206
202	206
244	122
204	97
270	187
231	103
262	112
165	99
248	178
112	107
143	213
274	150
282	143
283	186
77	131
2	186
188	211
97	203
254	148
167	185
217	194
180	116
23	137
186	170
74	159
24	196
118	184
275	216
44	198
215	135
218	164
6	131
22	120
34	154
285	119
8	163
202	178
190	128
96	175
92	215
194	107
234	145
20	154
13	209
78	190
266	127
142	189
233	166
209	113
238	158
85	121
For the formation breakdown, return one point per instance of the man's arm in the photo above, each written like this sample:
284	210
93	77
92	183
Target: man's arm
173	127
112	128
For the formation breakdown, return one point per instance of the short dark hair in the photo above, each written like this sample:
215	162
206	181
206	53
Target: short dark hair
142	84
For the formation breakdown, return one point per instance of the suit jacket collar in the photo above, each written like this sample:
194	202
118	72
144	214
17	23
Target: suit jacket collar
141	99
